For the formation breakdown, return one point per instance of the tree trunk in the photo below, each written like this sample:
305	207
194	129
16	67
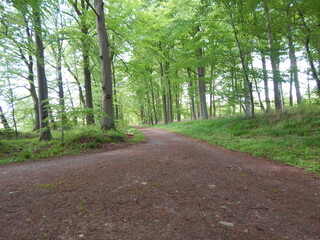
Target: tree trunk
234	76
249	105
312	65
265	81
308	51
81	97
4	119
33	92
169	92
32	89
164	96
202	87
88	102
115	99
257	89
177	96
290	90
274	59
75	118
45	133
87	78
62	111
293	61
153	100
107	122
191	96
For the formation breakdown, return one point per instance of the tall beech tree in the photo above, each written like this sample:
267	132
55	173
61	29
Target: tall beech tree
292	54
274	57
81	10
107	121
45	133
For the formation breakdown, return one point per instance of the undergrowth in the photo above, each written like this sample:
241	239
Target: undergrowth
77	140
291	137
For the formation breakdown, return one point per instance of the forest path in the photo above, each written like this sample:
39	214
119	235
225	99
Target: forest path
171	187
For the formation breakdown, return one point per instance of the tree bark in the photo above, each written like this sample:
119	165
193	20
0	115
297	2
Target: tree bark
191	96
87	78
293	61
45	133
86	61
81	97
32	89
4	119
153	99
314	72
164	96
202	87
107	121
60	84
274	59
265	81
290	90
256	87
169	92
294	69
249	104
115	99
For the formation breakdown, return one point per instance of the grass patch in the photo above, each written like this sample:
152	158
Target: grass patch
48	187
83	205
135	135
292	137
77	140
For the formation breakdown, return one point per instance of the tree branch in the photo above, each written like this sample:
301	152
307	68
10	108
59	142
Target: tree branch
93	8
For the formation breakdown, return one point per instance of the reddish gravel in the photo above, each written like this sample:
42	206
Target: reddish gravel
171	187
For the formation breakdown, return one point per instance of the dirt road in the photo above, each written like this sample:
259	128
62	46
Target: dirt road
170	187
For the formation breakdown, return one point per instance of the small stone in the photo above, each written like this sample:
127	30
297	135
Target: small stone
212	186
157	206
223	207
11	193
157	221
144	183
227	224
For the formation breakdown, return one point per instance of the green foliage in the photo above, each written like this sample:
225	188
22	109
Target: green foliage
77	140
48	187
292	137
138	136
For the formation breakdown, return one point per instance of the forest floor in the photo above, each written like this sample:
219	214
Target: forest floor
171	187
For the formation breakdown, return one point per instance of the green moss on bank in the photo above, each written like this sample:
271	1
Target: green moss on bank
77	140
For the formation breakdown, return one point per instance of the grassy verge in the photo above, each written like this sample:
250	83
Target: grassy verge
77	140
135	135
292	137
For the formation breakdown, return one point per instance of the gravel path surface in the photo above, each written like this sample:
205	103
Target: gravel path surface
171	187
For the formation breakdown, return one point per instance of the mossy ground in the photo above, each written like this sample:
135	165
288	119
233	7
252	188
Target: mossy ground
76	140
